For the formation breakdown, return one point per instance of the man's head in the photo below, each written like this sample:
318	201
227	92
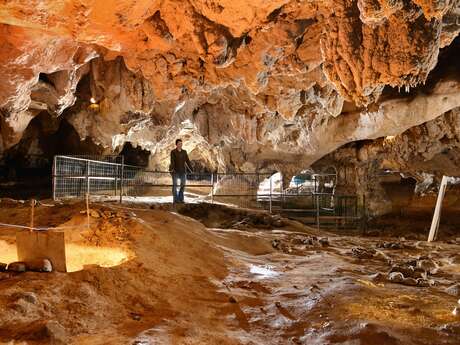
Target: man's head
179	144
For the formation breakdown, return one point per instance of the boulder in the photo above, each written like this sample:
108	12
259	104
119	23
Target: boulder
396	277
409	281
363	253
17	266
94	214
56	333
39	265
428	265
324	241
27	296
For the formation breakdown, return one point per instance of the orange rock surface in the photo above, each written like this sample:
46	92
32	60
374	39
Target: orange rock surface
263	78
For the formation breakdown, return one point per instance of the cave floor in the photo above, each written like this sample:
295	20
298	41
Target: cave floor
145	275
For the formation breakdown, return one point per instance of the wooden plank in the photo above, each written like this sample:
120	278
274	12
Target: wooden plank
437	210
49	245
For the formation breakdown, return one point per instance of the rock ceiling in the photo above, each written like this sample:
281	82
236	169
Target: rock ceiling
249	84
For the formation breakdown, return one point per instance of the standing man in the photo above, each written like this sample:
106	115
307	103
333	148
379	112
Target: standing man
179	163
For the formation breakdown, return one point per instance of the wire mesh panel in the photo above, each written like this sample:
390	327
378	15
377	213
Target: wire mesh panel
312	195
74	176
245	190
140	182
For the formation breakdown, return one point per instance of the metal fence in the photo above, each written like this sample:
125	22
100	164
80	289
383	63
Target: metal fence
74	176
110	177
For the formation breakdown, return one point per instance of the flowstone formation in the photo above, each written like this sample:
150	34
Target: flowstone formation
249	85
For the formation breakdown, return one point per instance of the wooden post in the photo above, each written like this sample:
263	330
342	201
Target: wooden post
87	208
437	210
32	209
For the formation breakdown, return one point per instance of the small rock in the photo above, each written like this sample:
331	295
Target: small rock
363	253
396	277
314	287
456	311
141	342
424	282
378	277
279	223
409	282
287	249
3	267
275	244
390	245
406	270
308	241
452	328
107	214
324	241
428	265
453	290
56	333
94	214
17	266
232	299
29	297
296	341
21	306
135	316
39	265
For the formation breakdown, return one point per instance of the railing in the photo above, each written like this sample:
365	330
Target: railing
77	176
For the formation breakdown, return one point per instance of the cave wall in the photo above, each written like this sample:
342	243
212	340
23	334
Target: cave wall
249	85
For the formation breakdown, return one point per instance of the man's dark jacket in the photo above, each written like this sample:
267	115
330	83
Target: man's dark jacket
178	161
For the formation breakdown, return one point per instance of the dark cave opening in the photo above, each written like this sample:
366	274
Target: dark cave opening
135	155
26	168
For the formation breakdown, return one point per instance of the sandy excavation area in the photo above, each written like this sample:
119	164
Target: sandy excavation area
144	275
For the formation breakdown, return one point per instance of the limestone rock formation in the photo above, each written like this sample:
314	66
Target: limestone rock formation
250	85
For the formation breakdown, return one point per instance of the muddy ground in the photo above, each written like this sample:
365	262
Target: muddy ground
145	275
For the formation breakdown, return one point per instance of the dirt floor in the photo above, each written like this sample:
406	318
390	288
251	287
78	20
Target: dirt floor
145	275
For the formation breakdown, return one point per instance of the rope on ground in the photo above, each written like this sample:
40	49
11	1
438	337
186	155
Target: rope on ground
42	228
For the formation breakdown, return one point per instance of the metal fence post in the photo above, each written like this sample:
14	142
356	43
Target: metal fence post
212	188
121	178
317	211
282	191
116	180
271	193
87	178
54	172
